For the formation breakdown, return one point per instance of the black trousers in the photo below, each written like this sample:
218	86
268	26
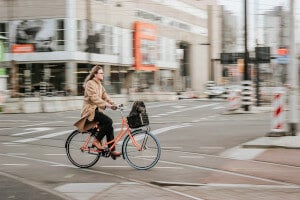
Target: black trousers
106	128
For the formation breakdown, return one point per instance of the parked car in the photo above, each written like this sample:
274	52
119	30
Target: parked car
213	90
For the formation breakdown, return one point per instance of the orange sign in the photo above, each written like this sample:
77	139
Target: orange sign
282	51
145	46
22	48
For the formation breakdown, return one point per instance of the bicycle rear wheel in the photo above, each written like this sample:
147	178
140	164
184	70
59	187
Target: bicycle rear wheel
81	157
148	154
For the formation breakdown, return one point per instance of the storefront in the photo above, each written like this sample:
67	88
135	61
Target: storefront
138	49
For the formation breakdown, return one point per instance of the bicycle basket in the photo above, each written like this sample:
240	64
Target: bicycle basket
139	120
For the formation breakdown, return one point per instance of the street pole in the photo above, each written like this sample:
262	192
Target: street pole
246	107
293	76
246	44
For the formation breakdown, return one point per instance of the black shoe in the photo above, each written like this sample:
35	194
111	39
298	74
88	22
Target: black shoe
115	154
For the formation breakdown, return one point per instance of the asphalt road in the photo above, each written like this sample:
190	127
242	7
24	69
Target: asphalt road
201	158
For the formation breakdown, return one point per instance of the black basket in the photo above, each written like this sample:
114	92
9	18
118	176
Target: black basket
136	121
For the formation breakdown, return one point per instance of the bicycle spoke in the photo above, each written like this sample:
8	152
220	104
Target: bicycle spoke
146	155
79	155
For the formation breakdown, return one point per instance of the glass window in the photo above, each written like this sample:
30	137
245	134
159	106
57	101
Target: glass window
4	33
37	79
81	35
60	34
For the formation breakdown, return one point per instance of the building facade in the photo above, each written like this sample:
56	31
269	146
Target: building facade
145	45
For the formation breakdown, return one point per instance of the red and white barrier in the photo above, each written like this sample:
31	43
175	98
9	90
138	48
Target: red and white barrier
234	100
278	115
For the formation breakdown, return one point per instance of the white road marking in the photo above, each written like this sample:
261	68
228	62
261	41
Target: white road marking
201	157
163	114
60	165
41	123
184	109
165	129
211	147
55	154
242	153
171	147
33	130
51	135
193	108
14	164
5	128
11	144
177	107
218	107
18	154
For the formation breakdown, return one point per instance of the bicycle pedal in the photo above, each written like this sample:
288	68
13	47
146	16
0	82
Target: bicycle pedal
106	152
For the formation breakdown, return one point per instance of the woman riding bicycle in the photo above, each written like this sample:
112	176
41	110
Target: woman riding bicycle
95	102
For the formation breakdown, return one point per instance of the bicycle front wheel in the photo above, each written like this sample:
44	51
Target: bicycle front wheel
143	151
78	153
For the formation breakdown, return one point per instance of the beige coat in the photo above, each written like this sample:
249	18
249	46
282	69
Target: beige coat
94	96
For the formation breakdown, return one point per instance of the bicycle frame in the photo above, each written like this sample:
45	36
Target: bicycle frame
125	130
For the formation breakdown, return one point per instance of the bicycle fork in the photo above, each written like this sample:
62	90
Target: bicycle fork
143	145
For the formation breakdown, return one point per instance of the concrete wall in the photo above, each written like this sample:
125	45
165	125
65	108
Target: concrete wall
59	104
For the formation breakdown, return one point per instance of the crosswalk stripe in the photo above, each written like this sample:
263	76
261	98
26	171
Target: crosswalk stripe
51	135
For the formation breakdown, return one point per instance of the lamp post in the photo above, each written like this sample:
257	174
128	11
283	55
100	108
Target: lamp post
293	75
246	44
246	57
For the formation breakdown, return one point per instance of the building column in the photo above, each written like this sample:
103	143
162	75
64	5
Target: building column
71	78
157	78
70	26
71	46
107	78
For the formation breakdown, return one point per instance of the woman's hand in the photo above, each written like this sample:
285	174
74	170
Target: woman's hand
113	107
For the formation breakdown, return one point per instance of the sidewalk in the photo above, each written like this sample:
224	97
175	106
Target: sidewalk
289	142
12	187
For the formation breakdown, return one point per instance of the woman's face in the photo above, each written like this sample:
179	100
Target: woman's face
99	75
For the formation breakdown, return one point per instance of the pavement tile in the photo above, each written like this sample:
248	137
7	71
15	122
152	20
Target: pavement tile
238	192
137	191
281	156
15	189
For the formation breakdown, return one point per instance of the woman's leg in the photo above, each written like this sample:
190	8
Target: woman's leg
106	128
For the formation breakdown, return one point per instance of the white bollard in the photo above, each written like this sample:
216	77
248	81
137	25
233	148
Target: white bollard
247	94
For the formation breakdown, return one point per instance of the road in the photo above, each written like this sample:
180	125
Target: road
201	158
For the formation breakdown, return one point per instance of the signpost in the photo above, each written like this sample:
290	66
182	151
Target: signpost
282	56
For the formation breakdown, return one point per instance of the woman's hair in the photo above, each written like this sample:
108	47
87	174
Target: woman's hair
93	71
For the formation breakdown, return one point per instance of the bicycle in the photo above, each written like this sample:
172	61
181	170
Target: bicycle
140	148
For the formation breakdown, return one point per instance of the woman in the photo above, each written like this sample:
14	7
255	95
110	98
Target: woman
94	103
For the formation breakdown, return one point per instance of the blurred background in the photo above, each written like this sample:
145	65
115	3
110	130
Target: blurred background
48	47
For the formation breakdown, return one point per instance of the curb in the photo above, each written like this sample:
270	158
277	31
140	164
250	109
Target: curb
288	142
